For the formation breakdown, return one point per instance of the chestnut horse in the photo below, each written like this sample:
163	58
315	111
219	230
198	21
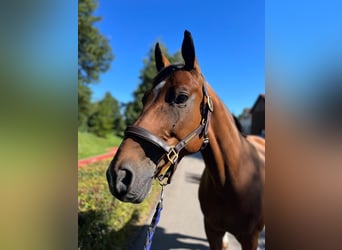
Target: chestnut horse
183	115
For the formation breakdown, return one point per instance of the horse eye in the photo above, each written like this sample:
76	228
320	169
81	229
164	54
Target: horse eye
180	99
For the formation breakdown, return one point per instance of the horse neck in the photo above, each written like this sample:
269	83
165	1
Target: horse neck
222	154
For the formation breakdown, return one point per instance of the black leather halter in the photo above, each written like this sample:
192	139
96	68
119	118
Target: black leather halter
172	152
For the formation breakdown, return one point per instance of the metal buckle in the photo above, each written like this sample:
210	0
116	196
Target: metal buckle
203	122
163	181
210	104
165	174
206	139
172	155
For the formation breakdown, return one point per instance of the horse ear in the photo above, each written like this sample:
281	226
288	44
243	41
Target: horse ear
161	60
188	52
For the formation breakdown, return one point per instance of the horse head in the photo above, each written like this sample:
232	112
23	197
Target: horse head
173	123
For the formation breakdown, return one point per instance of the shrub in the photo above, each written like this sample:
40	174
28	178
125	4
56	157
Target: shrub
103	221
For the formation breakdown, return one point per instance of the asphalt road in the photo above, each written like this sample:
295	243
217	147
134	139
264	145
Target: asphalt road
181	224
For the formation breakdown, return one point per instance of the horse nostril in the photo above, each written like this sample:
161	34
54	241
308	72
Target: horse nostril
123	181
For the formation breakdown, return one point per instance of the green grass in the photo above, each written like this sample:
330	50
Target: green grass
103	221
91	145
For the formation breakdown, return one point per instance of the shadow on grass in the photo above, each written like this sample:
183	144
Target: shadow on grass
94	233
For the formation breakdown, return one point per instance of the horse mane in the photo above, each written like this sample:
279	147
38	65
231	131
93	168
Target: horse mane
238	125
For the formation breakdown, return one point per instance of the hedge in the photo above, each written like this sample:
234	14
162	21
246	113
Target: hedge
103	221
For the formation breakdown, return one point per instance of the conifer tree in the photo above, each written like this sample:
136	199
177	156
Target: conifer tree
94	56
149	71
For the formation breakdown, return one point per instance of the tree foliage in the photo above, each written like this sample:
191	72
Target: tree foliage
106	117
94	57
94	51
84	106
149	71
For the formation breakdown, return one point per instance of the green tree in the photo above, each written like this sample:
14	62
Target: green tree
94	51
94	57
133	109
106	118
84	106
119	123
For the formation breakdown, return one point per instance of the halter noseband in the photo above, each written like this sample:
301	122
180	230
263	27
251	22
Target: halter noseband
172	152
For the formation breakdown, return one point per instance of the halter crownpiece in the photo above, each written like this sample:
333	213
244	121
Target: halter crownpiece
171	155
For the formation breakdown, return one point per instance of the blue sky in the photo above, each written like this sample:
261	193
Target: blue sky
303	42
229	38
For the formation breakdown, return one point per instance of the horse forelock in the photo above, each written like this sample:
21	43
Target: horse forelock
165	72
169	70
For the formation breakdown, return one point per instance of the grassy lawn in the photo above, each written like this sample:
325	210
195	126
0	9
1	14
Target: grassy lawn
91	145
103	221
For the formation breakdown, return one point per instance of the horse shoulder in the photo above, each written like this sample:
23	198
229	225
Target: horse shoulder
259	144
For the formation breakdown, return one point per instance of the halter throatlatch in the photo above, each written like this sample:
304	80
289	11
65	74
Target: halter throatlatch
171	155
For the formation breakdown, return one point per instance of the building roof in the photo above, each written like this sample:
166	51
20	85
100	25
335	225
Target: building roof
261	97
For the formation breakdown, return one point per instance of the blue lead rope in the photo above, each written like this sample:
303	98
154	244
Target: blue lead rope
152	228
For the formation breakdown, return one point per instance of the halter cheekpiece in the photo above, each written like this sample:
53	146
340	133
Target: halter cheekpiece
172	152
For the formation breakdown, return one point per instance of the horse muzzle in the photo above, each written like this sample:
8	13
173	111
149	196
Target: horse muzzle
129	183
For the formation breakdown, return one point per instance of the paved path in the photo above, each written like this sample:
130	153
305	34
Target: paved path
181	223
